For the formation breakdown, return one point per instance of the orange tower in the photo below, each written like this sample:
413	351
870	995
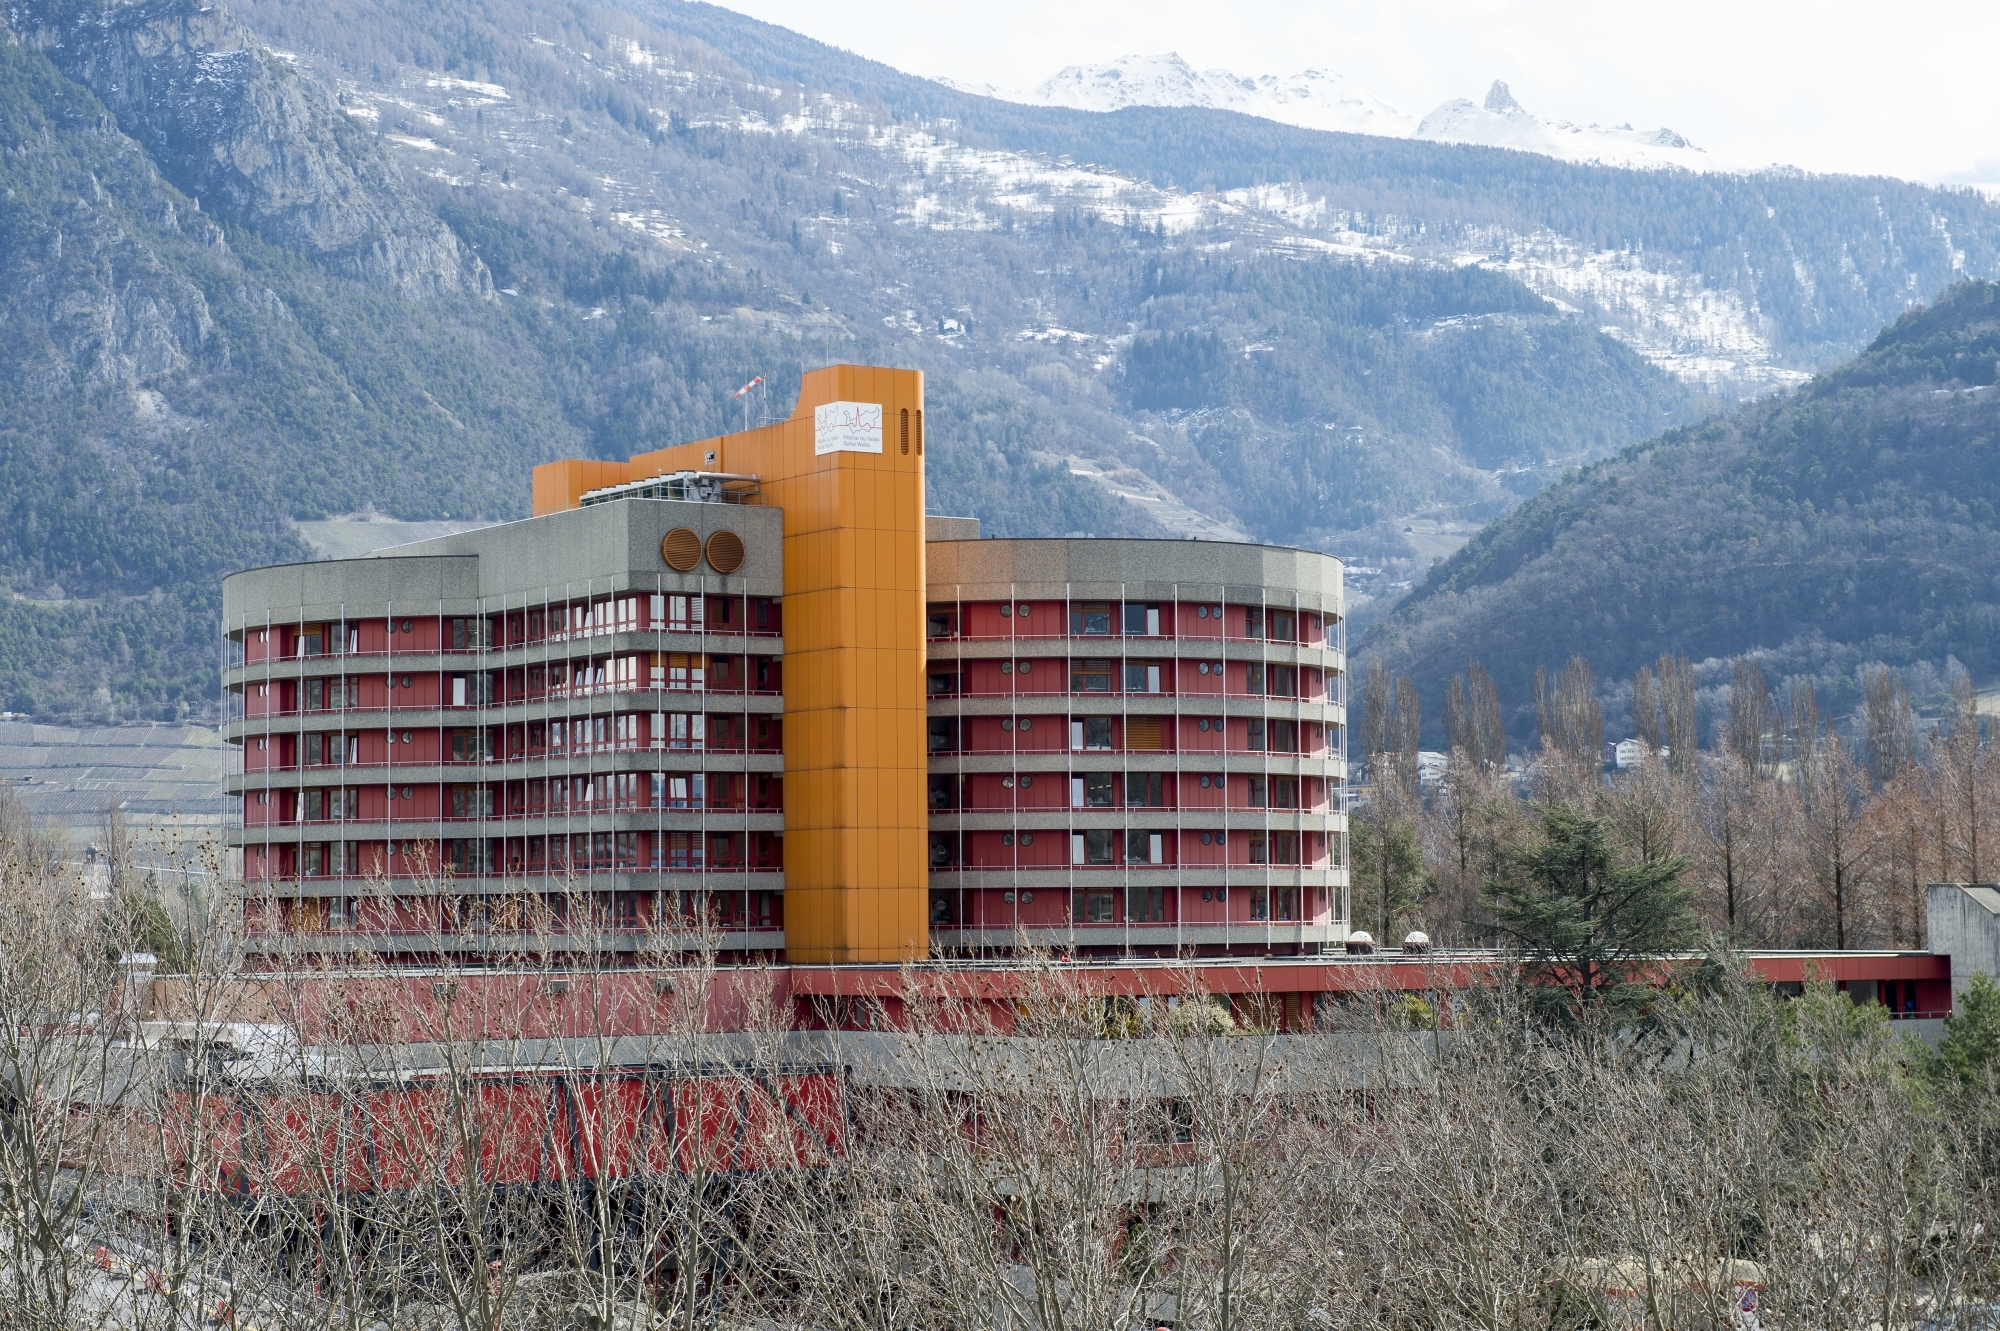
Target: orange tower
848	471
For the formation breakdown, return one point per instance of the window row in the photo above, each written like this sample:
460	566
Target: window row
557	622
1006	679
1056	907
948	735
665	672
1121	619
581	852
1107	848
623	732
603	792
1028	791
537	912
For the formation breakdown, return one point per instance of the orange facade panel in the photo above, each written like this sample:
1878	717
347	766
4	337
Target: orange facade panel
848	471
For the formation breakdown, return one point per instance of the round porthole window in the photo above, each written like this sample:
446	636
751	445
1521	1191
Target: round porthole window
1202	724
681	549
1027	781
1027	838
1026	666
1204	783
406	626
1006	783
725	552
1006	611
1007	897
1006	838
1027	723
1006	723
1204	838
1203	667
408	793
1207	894
1027	897
406	681
1201	612
1221	893
1023	609
1006	667
406	737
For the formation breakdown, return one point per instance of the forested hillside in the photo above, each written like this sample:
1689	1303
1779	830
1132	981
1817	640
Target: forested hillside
1852	523
270	262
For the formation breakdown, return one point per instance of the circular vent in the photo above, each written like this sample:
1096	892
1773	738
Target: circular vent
725	552
681	549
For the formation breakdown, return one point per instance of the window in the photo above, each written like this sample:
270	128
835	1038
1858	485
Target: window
1284	792
943	684
1145	848
678	730
1091	790
1147	905
680	672
1145	733
1253	622
312	859
1089	732
1253	679
941	794
1089	676
315	695
1284	682
942	850
943	736
1097	908
1145	790
1142	677
1253	734
1090	619
941	622
1093	847
312	640
1284	850
1283	735
1142	620
684	614
468	802
312	806
1256	792
467	746
1284	626
315	750
1260	851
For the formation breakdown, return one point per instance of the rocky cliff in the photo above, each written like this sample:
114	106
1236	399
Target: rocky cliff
237	130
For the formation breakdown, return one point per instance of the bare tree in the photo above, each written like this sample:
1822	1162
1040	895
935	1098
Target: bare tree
1646	709
1753	718
1680	729
1891	727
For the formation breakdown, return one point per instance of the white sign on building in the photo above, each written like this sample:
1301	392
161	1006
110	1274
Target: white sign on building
847	427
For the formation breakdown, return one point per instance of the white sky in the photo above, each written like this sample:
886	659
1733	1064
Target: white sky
1910	88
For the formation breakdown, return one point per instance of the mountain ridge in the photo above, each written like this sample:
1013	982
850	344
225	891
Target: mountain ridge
1852	523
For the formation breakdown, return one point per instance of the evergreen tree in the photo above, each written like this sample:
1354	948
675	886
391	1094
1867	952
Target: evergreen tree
1388	867
1586	923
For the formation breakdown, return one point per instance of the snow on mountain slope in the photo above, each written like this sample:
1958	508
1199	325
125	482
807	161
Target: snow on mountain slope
1503	123
1317	99
1313	98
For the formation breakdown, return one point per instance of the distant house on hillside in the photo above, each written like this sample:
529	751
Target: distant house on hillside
1432	768
1627	753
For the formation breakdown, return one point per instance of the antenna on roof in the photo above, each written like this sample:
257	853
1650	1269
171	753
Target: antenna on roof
743	395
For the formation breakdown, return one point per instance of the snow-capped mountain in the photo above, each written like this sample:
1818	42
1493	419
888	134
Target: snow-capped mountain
1313	98
1503	123
1319	99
